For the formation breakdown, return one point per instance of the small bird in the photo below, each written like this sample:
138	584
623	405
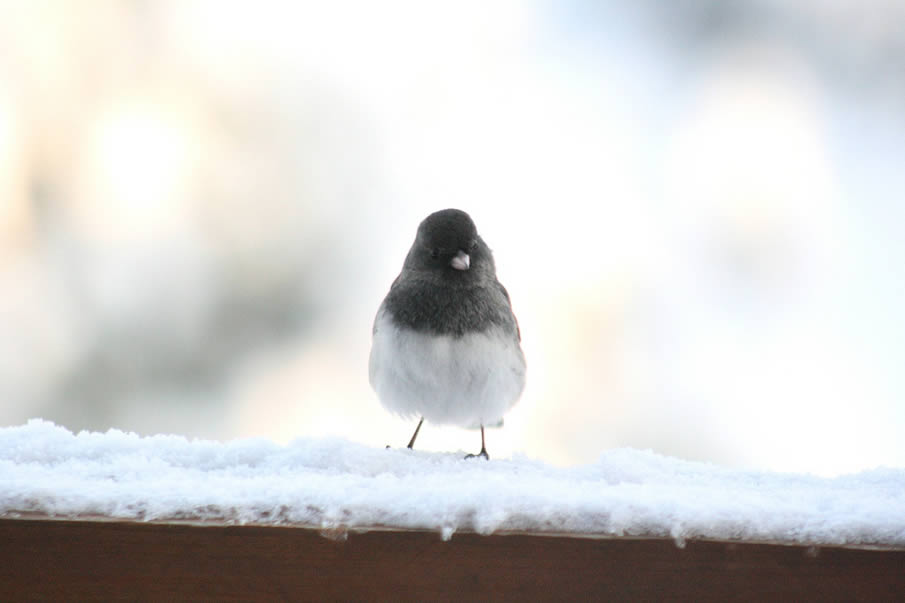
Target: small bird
446	346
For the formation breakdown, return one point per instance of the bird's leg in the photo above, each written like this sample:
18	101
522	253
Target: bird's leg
483	452
415	435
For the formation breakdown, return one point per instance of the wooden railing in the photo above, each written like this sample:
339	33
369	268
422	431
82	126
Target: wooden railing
45	559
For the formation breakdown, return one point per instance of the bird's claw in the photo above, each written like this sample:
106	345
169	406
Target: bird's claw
483	454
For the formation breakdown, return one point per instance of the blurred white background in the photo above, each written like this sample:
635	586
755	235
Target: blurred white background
697	208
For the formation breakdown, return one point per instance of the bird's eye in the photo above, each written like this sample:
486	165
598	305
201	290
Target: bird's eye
474	245
435	253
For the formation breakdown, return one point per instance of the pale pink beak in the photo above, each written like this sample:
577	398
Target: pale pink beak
461	261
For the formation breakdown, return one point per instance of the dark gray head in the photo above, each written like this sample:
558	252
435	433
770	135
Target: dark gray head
448	246
448	282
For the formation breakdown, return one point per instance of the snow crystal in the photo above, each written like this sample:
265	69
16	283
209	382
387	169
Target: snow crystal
336	485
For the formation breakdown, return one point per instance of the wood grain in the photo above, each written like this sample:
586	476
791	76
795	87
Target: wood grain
86	560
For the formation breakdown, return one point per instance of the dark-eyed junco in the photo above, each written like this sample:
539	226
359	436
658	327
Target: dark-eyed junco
446	344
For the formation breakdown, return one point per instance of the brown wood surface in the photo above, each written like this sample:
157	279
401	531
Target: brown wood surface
88	560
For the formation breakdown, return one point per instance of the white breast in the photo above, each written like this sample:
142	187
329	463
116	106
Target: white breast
466	381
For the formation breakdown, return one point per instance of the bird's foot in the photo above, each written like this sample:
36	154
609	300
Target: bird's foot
483	454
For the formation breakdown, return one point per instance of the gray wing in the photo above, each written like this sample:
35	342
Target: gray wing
505	293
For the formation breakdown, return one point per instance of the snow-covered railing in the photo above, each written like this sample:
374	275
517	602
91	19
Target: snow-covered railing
332	519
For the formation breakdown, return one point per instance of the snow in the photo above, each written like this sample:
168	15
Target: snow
337	485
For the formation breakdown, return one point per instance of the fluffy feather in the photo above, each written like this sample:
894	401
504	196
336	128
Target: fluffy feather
468	381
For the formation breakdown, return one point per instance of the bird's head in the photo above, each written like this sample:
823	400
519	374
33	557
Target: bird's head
448	244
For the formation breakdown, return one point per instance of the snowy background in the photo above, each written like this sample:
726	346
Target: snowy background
696	206
336	485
